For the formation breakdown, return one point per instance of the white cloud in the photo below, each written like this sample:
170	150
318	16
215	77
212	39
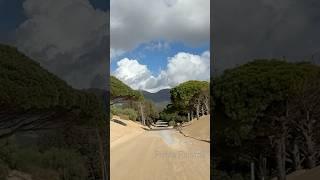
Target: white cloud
132	73
180	68
141	21
115	53
185	66
67	37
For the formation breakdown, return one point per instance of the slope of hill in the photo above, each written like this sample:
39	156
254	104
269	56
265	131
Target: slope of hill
198	129
39	108
27	89
119	91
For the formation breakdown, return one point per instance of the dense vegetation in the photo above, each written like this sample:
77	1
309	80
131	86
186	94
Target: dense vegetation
32	100
269	112
120	92
124	113
188	100
126	101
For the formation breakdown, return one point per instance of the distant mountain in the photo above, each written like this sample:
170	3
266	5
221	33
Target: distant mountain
160	98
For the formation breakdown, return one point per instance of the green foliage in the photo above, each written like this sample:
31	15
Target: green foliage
26	86
172	123
246	91
64	163
4	170
131	113
120	90
150	110
172	117
69	164
251	103
182	94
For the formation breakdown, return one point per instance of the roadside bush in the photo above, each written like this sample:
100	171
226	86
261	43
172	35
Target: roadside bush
115	110
4	170
8	153
172	117
47	174
131	113
70	165
172	123
122	116
53	164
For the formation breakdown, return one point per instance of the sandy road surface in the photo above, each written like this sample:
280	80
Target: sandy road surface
160	155
199	129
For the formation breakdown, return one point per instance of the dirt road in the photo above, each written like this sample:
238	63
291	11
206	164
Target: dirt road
160	155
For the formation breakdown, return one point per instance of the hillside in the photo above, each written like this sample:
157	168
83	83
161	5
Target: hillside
160	98
27	89
40	112
120	92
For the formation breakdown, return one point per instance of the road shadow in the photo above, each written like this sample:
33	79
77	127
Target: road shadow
145	129
119	122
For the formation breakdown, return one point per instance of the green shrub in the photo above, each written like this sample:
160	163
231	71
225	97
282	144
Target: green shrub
172	123
131	113
122	116
26	158
70	165
172	117
52	164
44	173
4	170
8	152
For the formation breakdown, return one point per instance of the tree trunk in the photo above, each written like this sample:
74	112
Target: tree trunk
310	153
197	110
262	167
206	103
281	157
101	154
142	114
202	111
188	116
296	156
310	144
252	171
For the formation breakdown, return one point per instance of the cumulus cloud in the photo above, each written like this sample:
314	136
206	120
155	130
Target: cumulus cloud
185	66
141	21
180	68
68	38
245	30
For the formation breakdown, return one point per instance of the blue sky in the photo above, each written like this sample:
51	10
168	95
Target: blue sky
157	44
156	59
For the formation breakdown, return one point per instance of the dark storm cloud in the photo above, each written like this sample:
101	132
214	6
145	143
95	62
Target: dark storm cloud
244	30
69	38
